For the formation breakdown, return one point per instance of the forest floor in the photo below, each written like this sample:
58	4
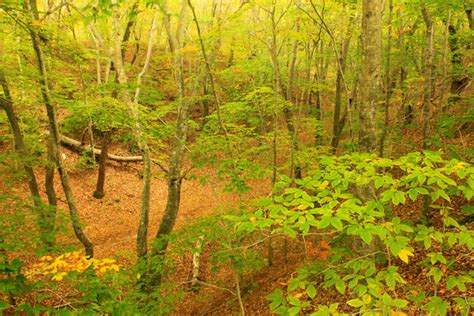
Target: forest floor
111	223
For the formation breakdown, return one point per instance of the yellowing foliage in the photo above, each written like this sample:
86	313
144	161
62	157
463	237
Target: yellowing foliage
59	266
404	255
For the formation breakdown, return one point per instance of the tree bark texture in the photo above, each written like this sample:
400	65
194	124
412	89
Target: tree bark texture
177	155
137	130
99	191
370	74
427	71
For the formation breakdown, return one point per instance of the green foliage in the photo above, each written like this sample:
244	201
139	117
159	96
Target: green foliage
86	161
249	125
104	113
352	198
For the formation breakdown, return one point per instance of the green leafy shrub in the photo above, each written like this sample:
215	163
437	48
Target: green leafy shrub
353	200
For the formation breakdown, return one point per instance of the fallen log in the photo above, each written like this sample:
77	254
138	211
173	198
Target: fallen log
77	146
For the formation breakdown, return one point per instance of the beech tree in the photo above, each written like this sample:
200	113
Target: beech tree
370	74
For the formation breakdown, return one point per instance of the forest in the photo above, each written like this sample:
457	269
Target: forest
236	157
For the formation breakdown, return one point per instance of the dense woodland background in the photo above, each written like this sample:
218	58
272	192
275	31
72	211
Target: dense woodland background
196	157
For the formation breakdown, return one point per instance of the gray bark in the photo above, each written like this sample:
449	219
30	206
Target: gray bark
177	155
370	74
427	71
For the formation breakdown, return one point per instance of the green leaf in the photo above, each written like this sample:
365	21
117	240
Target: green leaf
399	303
355	303
366	236
436	273
336	223
398	197
288	231
422	191
413	194
451	282
294	310
437	306
311	291
379	182
340	286
325	222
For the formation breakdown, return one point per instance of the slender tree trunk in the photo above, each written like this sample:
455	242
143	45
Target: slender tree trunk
99	191
388	81
459	80
207	63
427	71
370	74
144	214
132	106
177	155
6	103
54	134
46	216
445	63
319	78
468	10
49	175
338	123
128	29
295	168
306	93
406	103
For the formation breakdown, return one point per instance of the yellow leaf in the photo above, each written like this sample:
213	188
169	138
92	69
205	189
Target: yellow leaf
404	254
138	276
115	267
323	185
46	258
58	277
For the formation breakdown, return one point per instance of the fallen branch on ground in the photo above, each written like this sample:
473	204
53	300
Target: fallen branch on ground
77	146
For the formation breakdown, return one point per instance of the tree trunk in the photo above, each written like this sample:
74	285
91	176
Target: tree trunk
295	170
132	106
46	216
459	80
54	134
468	11
177	155
338	123
49	175
99	191
370	74
128	29
388	81
6	103
142	233
319	78
427	71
